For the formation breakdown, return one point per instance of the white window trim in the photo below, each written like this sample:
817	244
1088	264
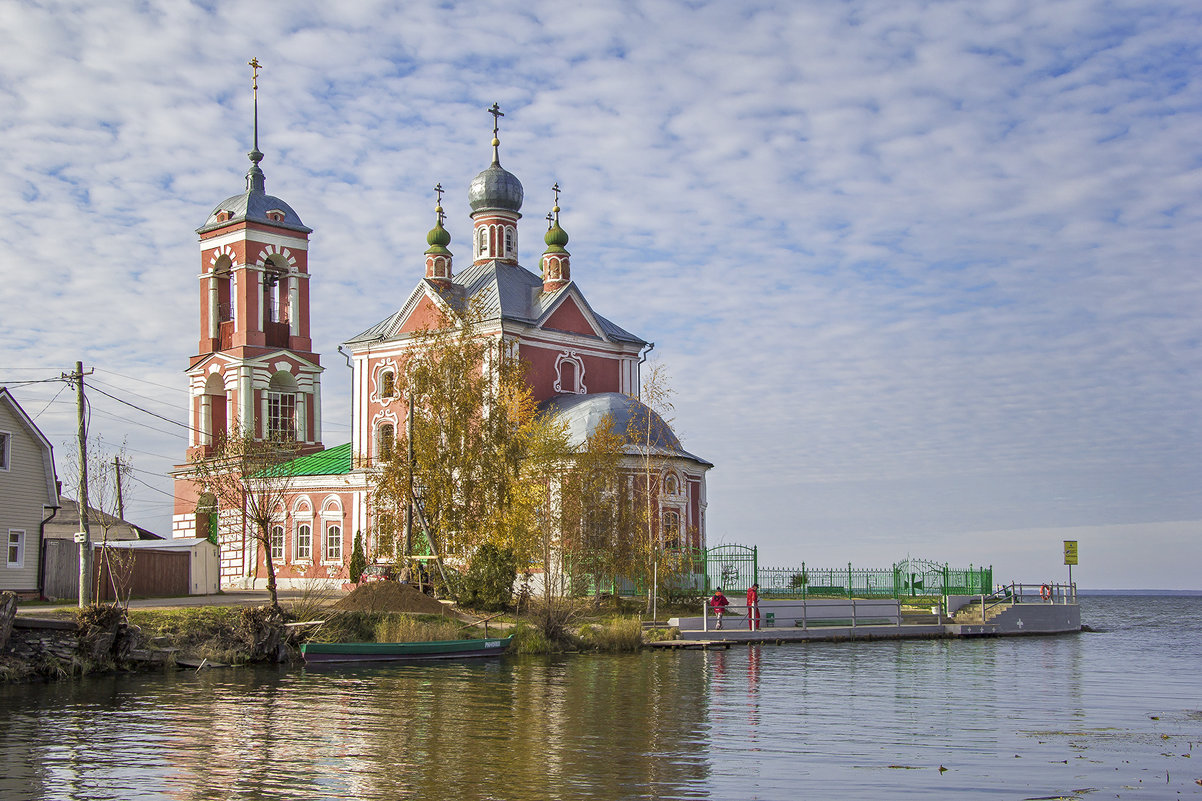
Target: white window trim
574	358
6	450
296	524
326	523
8	543
283	557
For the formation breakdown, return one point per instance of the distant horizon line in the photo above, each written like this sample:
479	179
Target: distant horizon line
1143	591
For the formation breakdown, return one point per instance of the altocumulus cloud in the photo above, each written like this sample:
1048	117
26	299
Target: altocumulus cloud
918	269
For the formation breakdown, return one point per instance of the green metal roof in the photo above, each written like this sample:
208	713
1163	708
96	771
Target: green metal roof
334	461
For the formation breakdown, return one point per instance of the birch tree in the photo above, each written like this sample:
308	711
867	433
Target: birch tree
251	477
474	419
644	429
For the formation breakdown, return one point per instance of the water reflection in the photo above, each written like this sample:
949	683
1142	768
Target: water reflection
1007	718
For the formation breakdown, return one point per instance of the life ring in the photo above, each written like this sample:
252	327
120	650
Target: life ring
1045	592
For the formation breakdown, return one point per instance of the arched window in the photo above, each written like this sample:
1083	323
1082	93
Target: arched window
281	408
482	240
569	374
277	543
333	543
304	541
275	293
224	278
387	441
213	407
206	517
671	528
509	242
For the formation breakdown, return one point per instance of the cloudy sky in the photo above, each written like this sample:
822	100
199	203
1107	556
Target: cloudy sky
925	274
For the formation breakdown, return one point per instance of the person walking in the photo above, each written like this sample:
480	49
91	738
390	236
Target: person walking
753	607
718	604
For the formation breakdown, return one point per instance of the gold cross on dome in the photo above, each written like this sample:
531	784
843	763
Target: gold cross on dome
256	66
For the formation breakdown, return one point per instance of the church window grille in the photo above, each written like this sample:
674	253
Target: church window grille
509	244
277	542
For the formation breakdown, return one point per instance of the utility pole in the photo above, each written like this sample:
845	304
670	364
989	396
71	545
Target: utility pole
84	536
117	476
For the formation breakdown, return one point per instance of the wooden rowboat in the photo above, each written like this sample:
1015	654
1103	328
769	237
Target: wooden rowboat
328	652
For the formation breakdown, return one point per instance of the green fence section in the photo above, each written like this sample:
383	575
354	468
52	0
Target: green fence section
677	571
734	568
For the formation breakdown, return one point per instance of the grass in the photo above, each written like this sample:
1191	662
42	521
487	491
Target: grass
215	633
618	635
420	628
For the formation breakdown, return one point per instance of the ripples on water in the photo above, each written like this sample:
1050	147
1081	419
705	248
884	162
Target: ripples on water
1104	715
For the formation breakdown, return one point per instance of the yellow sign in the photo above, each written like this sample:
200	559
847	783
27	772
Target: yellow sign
1070	552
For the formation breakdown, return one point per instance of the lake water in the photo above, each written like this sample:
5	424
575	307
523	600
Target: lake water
1097	715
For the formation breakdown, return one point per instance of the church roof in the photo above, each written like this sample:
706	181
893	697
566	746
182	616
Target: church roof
641	427
334	461
252	206
505	291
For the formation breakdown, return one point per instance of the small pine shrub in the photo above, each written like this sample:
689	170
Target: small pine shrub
358	559
488	583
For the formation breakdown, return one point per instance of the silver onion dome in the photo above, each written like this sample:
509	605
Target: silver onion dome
495	189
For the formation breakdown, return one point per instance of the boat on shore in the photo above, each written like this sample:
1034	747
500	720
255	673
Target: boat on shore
332	652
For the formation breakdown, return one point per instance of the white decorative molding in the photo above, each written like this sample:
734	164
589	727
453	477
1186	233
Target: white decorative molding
571	357
377	376
227	252
276	250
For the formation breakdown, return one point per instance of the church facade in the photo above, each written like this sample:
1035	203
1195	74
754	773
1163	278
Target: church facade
255	369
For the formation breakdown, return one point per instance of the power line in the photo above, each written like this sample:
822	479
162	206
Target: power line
149	487
26	381
112	416
131	392
143	381
147	411
61	390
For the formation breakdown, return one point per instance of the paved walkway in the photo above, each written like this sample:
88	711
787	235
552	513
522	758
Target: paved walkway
232	598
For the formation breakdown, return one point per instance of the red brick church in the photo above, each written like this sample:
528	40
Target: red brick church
255	363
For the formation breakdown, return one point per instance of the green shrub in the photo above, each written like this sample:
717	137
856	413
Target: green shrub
488	583
358	558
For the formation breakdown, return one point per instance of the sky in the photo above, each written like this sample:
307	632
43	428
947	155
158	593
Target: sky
925	275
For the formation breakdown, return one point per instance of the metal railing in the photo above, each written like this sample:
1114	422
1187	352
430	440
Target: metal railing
849	612
1016	593
898	582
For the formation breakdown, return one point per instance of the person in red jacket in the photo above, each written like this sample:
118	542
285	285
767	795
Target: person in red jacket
718	604
753	607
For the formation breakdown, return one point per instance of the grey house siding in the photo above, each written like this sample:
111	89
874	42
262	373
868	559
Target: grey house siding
26	492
